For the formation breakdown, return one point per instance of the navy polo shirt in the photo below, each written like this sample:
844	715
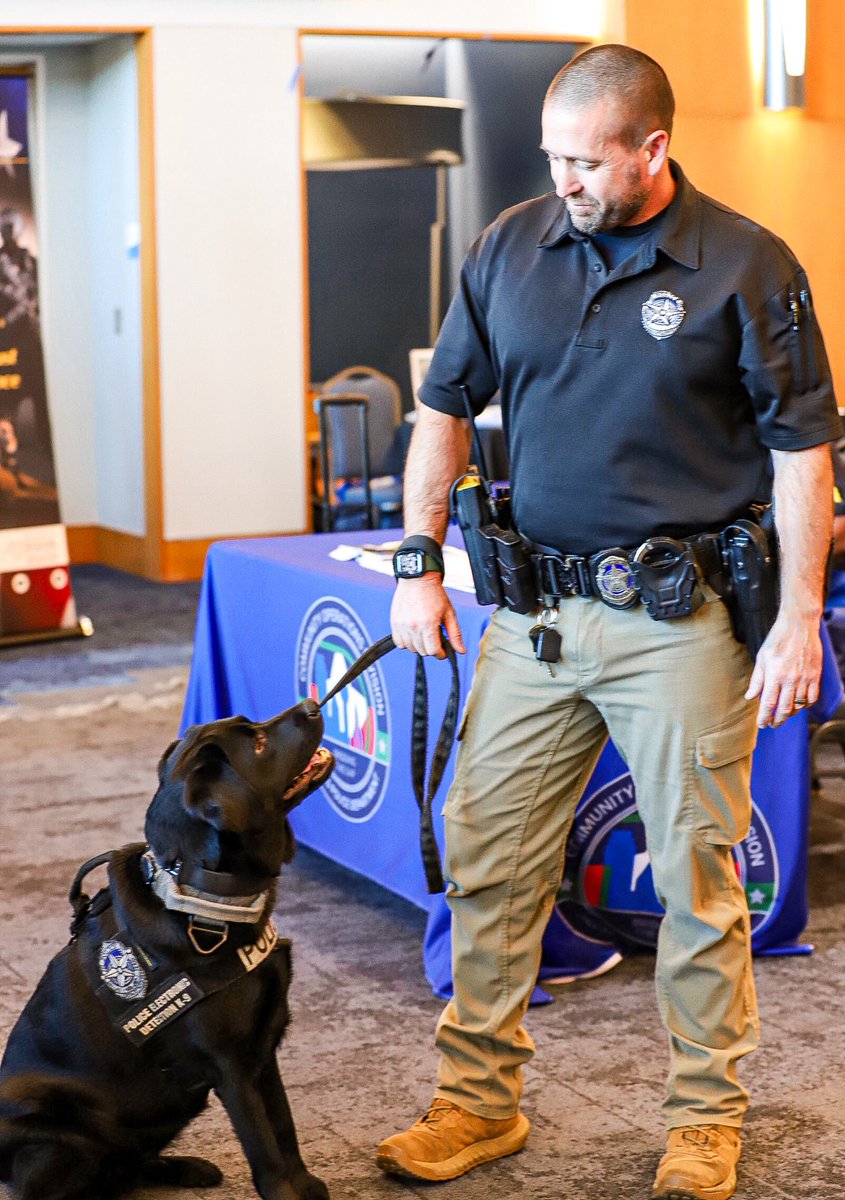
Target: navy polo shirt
644	399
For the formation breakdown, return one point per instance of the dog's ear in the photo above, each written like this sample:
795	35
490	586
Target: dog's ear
216	794
193	749
162	762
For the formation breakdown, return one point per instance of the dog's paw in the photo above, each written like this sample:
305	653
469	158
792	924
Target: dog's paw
179	1170
309	1187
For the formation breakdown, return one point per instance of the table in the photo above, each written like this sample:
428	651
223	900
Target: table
279	619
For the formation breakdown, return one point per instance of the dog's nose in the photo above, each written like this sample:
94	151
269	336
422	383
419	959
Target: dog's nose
311	708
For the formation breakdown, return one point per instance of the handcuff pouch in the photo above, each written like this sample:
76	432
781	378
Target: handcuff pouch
667	578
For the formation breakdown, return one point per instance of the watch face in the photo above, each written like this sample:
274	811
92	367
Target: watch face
409	563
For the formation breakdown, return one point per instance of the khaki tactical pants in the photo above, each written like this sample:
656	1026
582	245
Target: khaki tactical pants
670	694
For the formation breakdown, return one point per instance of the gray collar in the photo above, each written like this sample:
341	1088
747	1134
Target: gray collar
180	897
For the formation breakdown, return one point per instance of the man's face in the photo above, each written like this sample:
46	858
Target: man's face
603	182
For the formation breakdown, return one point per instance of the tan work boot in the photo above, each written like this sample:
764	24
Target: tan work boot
699	1163
448	1141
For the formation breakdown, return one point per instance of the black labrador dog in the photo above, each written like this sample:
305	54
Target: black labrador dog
174	983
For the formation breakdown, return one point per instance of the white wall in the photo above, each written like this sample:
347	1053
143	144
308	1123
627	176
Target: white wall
113	208
230	281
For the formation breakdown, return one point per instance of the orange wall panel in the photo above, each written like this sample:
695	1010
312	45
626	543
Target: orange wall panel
779	168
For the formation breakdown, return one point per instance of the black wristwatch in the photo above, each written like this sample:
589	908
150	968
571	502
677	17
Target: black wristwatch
416	556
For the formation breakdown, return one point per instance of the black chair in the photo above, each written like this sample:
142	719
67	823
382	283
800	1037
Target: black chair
351	496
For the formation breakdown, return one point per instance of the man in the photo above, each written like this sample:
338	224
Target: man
655	352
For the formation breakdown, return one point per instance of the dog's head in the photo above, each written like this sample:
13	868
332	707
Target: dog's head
225	790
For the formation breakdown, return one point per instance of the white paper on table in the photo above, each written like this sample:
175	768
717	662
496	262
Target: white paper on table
379	557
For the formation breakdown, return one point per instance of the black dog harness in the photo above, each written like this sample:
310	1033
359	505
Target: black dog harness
419	744
141	995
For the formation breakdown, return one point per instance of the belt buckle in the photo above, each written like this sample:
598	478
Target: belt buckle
552	581
612	578
579	568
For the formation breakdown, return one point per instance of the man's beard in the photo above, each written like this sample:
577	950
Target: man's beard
602	216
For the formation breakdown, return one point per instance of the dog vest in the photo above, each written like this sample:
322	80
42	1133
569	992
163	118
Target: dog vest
141	995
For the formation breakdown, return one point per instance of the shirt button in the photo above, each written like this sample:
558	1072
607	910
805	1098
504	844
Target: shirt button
596	307
597	266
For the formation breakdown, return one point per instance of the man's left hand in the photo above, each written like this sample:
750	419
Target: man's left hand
788	669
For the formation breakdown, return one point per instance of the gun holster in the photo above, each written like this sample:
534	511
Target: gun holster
501	568
749	553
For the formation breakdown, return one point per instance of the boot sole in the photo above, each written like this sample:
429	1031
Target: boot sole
723	1192
393	1161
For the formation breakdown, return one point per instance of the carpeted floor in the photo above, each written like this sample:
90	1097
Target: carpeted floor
83	724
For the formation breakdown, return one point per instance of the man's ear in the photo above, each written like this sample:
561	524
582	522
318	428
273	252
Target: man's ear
656	150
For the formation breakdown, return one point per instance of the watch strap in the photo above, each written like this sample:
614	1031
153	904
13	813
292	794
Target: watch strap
430	549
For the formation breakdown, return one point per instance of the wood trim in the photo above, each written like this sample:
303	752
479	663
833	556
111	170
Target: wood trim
185	560
151	367
27	30
438	34
181	560
310	424
82	543
95	543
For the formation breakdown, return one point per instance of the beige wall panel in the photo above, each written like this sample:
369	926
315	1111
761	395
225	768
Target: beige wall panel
230	281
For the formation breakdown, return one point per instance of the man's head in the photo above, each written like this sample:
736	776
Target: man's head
607	120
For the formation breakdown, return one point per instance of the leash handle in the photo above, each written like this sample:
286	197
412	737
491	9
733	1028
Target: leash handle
419	744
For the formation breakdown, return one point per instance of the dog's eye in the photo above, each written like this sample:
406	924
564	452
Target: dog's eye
260	743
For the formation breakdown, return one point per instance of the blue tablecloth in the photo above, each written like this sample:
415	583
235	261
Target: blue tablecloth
279	620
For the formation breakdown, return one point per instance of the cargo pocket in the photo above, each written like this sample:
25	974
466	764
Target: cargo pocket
722	815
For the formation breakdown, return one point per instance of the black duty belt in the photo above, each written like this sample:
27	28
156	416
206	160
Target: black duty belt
612	575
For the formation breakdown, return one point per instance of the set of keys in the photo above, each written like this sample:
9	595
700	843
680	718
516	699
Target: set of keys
545	639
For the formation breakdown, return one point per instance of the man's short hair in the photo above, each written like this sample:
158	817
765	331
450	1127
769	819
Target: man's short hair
637	84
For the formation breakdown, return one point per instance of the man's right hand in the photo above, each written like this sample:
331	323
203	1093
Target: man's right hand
420	607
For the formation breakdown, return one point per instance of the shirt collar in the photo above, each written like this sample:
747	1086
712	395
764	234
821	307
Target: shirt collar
680	231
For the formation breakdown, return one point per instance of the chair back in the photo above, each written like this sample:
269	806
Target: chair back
384	414
344	435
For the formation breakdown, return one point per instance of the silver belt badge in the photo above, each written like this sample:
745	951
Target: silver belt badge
121	971
614	581
663	313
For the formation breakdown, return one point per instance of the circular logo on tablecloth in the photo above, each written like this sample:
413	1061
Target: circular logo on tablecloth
607	884
357	721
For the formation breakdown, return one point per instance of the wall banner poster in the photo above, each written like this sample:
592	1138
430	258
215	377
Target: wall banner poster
36	599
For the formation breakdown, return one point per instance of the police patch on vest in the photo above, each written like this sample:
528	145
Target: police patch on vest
663	313
120	970
169	1000
263	945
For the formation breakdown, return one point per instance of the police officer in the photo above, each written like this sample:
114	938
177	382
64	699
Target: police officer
654	351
